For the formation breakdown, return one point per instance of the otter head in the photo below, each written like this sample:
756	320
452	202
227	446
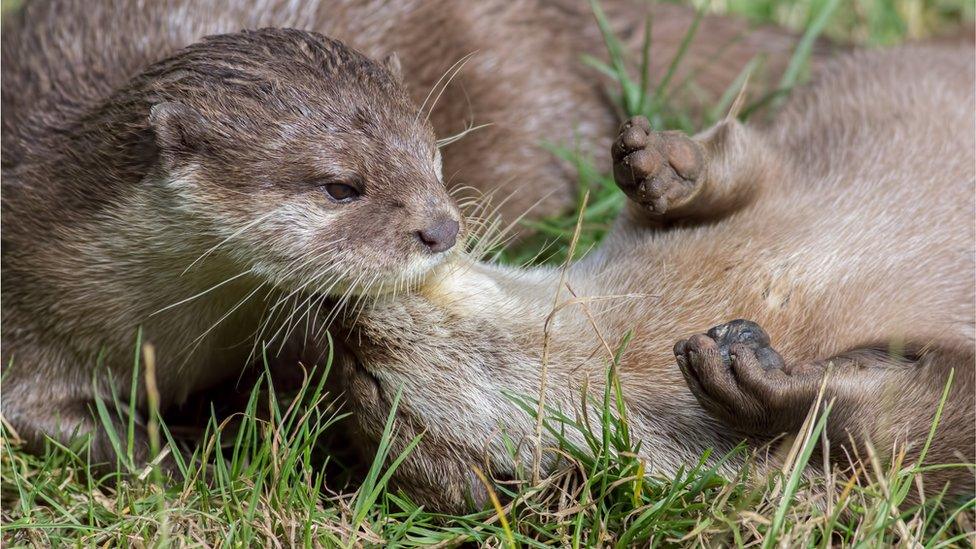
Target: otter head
301	159
455	384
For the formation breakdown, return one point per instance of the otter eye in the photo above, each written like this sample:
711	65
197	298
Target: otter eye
340	192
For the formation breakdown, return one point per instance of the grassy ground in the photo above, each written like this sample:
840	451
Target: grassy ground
269	483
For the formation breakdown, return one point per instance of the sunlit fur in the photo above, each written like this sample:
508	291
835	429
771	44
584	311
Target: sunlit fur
857	232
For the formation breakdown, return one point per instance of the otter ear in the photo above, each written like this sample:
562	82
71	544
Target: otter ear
179	129
392	64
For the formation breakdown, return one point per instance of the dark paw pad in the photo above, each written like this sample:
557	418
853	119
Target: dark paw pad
658	170
737	376
749	335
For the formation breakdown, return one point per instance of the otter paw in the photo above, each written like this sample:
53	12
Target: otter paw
658	170
738	378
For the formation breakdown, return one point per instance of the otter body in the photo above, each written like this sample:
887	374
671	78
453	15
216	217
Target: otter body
844	233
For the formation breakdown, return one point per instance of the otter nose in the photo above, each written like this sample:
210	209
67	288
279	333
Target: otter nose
440	236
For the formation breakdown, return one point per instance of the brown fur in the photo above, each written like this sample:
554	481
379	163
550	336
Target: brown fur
856	234
525	78
139	162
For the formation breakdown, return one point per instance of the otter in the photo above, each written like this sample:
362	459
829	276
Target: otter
206	198
217	192
834	246
513	69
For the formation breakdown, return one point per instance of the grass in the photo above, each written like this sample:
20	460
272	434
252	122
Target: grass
262	478
265	484
868	22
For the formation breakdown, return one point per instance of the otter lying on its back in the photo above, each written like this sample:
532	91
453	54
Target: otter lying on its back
214	199
846	230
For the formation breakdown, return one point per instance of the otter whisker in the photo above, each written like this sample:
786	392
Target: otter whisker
456	190
308	261
307	304
204	292
501	239
324	282
489	226
456	72
484	200
287	325
476	206
460	135
327	321
343	301
271	313
228	314
236	233
362	295
313	314
278	308
318	312
449	74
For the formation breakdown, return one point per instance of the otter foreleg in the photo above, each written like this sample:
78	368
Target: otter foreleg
670	177
878	396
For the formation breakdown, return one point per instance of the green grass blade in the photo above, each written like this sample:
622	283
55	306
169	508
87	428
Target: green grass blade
793	483
804	48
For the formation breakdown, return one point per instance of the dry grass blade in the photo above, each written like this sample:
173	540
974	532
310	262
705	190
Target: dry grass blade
547	341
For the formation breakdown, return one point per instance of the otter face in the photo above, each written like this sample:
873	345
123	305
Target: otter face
450	380
461	417
304	160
